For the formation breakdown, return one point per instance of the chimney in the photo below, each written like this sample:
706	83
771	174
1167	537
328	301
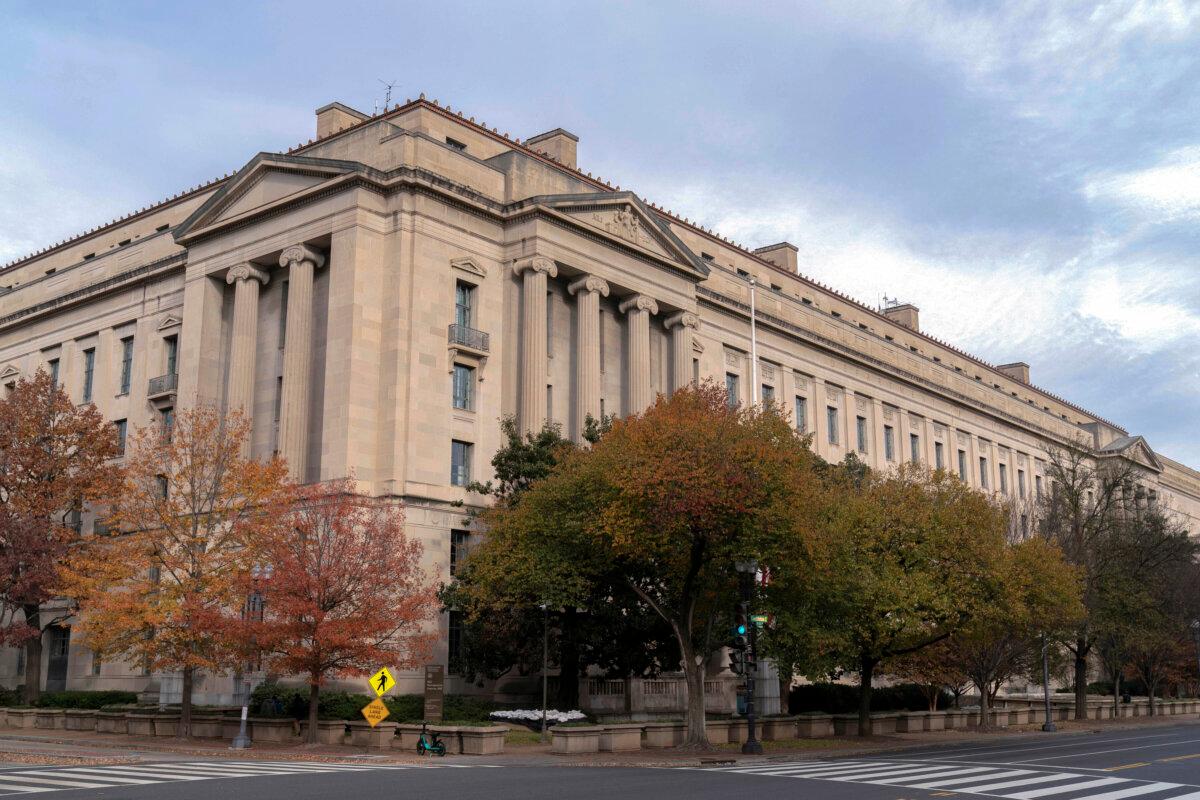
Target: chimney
1018	370
905	314
335	116
558	144
781	255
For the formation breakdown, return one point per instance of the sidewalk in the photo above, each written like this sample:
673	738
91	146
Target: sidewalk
85	747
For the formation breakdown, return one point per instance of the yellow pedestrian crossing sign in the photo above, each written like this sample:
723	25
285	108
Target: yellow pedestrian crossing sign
375	711
382	681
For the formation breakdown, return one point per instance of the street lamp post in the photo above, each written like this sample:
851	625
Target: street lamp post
1048	726
746	572
253	611
545	663
1196	635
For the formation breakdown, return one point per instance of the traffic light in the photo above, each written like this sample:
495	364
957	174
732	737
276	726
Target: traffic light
741	639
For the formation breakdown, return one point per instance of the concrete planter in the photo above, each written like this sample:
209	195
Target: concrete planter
1104	712
378	738
22	717
658	735
998	718
140	723
488	740
166	724
845	724
614	739
207	726
50	719
739	731
814	726
776	729
231	726
330	731
717	731
407	735
1018	716
956	720
583	739
279	731
80	719
935	720
883	724
451	736
3	717
112	722
911	722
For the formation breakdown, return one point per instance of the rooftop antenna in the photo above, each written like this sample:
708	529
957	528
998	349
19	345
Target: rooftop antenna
387	99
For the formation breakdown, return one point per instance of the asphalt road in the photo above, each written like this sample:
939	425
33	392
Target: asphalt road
1158	763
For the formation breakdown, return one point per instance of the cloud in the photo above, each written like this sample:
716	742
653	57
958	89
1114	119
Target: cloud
1166	192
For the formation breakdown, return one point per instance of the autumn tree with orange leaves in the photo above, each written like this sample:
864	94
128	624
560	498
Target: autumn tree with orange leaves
346	594
55	457
163	589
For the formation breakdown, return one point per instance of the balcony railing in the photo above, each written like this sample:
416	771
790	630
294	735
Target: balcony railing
163	385
468	337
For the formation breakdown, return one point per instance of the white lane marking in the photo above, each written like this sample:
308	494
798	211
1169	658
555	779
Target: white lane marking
1068	787
298	765
1134	791
938	784
146	773
905	771
85	776
1054	776
22	787
232	771
906	778
79	784
811	771
1114	750
993	750
815	766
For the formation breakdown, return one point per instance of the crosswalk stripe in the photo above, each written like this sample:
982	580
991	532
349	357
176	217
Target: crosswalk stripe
1134	791
1055	776
779	769
948	773
233	771
55	784
147	773
802	766
938	784
906	771
84	776
23	787
1070	787
290	767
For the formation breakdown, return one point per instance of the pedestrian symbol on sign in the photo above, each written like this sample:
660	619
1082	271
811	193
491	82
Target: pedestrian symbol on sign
382	681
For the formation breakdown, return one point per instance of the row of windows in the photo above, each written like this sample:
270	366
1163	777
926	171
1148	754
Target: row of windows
125	380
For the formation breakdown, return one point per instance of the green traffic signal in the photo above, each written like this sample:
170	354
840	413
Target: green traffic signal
741	630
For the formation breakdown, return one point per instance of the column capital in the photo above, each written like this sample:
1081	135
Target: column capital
684	319
589	283
638	302
536	264
243	272
301	252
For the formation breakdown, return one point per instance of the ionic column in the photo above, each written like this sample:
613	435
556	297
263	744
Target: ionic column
301	261
536	272
637	310
246	280
587	290
682	325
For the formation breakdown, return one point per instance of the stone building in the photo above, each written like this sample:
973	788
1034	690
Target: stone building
379	297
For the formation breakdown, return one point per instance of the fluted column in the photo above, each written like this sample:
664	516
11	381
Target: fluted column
587	290
682	325
536	272
246	280
637	310
300	261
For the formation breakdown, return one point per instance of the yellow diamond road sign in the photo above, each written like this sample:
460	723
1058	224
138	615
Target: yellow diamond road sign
375	711
382	681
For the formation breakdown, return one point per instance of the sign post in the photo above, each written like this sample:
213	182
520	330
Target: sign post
435	687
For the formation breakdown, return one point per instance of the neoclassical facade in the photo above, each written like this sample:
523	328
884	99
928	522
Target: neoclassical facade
378	298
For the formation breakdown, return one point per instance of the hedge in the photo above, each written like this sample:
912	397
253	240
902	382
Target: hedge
291	702
94	700
838	698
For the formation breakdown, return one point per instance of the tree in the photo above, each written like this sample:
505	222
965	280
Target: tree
346	594
164	588
55	457
903	560
1159	646
932	668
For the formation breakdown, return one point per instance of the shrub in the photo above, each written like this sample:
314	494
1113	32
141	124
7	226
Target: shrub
291	702
9	697
838	698
85	699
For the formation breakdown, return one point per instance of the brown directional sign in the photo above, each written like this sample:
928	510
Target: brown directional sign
435	687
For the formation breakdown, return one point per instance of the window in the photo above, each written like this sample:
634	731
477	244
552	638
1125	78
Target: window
126	364
96	663
1024	525
1037	486
939	455
458	549
168	422
889	442
171	343
460	463
801	413
75	518
860	430
53	365
768	393
278	398
161	484
731	389
549	324
89	373
696	371
983	472
21	661
962	465
1021	483
914	448
283	303
464	296
454	643
456	144
831	415
1003	479
549	403
122	429
464	380
603	339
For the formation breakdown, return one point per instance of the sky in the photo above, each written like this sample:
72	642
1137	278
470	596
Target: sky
1027	173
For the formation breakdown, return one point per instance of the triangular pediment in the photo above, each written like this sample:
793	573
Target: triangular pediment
169	322
468	264
268	180
9	373
1135	449
625	219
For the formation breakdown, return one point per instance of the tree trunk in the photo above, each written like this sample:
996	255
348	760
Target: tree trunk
1151	688
33	655
985	707
314	691
697	735
567	697
1081	651
867	671
1116	695
185	704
